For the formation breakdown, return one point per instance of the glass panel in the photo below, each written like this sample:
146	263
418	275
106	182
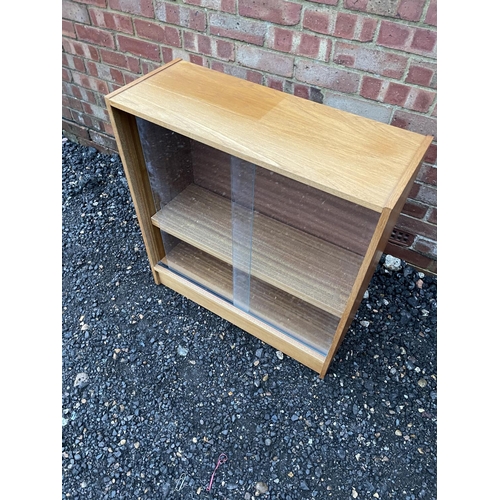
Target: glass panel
277	249
242	196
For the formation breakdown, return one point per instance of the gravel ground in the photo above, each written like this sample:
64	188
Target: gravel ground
156	388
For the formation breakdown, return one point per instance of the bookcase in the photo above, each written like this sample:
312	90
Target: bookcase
269	210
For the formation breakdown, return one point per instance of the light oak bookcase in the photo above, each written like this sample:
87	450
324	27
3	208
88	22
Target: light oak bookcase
269	210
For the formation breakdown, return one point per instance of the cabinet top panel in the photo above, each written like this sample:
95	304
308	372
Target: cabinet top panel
355	158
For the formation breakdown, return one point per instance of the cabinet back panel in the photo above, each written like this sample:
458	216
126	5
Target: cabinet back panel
303	207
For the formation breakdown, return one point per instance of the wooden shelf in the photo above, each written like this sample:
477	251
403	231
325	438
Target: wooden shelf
310	268
268	303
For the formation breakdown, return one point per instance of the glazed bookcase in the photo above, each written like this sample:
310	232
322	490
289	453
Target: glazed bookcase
269	210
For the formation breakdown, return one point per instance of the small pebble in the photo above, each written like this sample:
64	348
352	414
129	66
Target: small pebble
422	382
279	354
365	323
81	380
392	263
182	351
261	487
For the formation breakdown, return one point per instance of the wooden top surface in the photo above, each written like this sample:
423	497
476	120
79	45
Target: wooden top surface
355	158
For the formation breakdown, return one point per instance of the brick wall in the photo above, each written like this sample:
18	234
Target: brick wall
376	58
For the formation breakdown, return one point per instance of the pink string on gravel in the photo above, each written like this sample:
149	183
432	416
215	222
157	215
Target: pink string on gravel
220	461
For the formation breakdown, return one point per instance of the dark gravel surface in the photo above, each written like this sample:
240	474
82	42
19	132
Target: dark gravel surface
156	388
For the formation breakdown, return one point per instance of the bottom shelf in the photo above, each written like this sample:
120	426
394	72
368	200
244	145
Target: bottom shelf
299	320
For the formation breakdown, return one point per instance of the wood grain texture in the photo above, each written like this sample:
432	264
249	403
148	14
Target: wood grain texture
386	223
129	146
304	322
338	221
349	156
279	340
316	271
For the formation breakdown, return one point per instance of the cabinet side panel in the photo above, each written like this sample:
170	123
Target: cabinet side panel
129	146
386	223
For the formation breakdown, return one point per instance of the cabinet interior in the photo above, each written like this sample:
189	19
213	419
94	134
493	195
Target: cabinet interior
282	251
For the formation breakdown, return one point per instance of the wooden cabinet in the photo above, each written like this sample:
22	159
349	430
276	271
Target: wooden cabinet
269	210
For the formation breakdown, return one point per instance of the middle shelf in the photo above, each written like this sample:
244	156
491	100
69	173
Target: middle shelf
287	258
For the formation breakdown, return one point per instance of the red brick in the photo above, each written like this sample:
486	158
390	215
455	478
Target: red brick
237	28
66	75
411	10
314	46
111	20
219	5
344	25
370	87
424	40
281	39
66	113
75	12
120	60
209	46
431	15
366	27
435	111
426	246
148	66
179	15
142	8
320	21
420	74
414	209
157	32
432	217
81	49
74	130
74	62
301	90
424	193
105	72
263	60
81	93
427	174
103	141
431	154
139	47
96	111
275	83
372	60
90	82
302	44
224	50
425	264
95	35
396	94
420	100
393	35
327	76
72	103
356	5
416	226
415	122
199	60
275	11
68	29
238	71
